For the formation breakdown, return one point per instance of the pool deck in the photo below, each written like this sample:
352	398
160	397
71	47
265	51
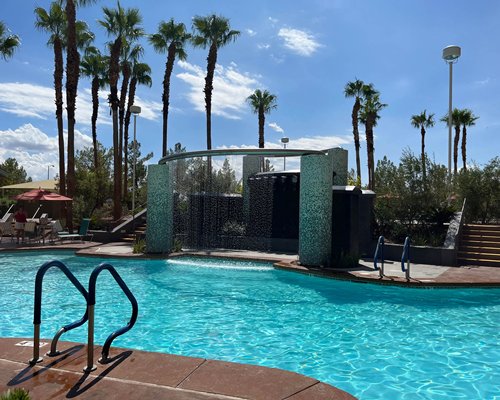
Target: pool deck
135	374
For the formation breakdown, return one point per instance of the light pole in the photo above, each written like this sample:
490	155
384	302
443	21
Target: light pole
48	170
284	140
136	110
450	56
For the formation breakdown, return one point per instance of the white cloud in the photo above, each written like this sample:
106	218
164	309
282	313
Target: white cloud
299	42
263	46
36	101
273	20
251	32
231	88
150	110
35	150
274	126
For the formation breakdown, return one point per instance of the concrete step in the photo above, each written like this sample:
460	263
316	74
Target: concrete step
488	227
486	262
477	255
480	237
480	248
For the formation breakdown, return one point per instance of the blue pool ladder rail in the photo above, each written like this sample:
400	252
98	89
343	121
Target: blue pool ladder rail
37	314
91	304
405	258
88	316
379	255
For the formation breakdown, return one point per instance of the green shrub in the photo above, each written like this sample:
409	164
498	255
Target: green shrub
16	394
177	246
139	246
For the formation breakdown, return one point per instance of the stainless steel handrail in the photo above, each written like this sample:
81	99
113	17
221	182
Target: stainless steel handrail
379	254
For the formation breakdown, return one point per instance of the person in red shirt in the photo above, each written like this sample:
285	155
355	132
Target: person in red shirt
20	218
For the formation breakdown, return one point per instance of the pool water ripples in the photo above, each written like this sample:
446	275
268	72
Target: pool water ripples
376	342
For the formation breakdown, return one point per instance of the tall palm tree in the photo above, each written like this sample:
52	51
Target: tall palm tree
93	66
423	121
72	76
8	43
171	39
54	22
369	115
141	74
262	102
213	32
357	89
467	119
456	121
123	24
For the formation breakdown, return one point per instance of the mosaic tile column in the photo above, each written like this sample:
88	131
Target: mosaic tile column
315	224
159	233
339	157
251	165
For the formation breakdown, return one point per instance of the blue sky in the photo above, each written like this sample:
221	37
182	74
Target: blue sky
302	51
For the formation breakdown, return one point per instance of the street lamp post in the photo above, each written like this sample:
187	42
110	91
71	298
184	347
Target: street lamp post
450	56
284	140
136	110
48	170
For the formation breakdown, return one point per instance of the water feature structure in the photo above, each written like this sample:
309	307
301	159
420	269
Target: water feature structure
308	195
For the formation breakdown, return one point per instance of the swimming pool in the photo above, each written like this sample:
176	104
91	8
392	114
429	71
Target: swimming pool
376	342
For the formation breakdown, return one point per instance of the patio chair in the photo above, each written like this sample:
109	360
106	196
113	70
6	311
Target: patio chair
6	227
31	231
82	233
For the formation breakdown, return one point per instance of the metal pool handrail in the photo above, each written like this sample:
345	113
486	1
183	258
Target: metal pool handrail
38	309
379	254
91	304
405	257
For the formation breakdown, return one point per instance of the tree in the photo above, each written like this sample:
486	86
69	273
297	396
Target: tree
54	22
124	26
141	74
213	32
171	39
72	76
423	121
456	118
359	90
262	102
369	115
8	42
467	119
14	173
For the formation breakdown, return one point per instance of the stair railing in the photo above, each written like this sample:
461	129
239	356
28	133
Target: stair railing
38	309
405	258
91	305
379	255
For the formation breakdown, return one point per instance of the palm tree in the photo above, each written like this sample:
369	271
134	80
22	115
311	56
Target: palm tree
72	76
213	32
8	43
456	120
124	26
422	121
54	22
262	102
467	119
141	74
359	90
93	66
369	115
171	39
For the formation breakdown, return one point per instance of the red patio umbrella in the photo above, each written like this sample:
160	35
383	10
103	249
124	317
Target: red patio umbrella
40	194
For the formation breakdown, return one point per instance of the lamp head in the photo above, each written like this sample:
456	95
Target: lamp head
135	109
284	140
451	53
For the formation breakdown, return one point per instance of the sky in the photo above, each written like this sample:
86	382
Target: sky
303	51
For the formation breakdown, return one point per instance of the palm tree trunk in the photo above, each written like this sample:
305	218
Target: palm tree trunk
262	121
464	146
95	110
114	71
131	98
166	93
209	79
422	132
58	83
121	106
355	132
369	151
72	74
455	149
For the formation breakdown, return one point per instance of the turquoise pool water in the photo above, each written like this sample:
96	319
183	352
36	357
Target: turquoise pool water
373	341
